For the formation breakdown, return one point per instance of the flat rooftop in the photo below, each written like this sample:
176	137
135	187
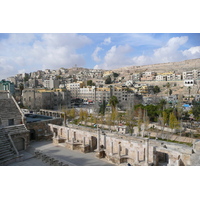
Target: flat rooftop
35	117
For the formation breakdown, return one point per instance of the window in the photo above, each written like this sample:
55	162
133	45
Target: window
10	122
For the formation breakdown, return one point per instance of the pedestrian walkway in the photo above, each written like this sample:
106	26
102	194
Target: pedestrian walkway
75	157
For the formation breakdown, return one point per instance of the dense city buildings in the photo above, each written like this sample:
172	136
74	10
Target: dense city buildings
132	115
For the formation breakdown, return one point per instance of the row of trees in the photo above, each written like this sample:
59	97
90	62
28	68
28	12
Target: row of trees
136	115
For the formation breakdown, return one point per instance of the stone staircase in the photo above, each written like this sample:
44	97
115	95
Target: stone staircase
7	152
15	129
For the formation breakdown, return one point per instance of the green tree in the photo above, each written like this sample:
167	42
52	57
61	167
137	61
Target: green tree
114	115
102	108
108	120
90	83
113	102
162	104
165	118
26	78
189	90
108	80
81	115
146	120
139	122
170	91
156	89
196	110
72	113
130	120
85	116
152	112
21	87
168	86
173	122
115	74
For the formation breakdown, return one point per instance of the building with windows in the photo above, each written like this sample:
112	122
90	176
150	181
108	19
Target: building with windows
74	88
51	83
7	86
36	99
189	75
189	82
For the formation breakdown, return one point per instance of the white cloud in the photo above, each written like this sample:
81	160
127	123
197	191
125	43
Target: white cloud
107	41
97	67
141	60
95	56
32	51
193	52
21	71
6	69
168	53
137	39
116	57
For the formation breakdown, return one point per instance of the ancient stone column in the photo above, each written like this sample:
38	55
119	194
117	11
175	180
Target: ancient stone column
119	150
105	141
72	140
74	136
83	141
137	156
98	140
147	151
64	119
154	156
178	162
68	135
111	145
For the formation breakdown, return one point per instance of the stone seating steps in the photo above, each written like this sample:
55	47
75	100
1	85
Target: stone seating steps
4	150
6	155
15	129
7	151
7	160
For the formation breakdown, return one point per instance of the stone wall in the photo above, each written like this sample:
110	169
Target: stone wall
9	110
41	128
135	150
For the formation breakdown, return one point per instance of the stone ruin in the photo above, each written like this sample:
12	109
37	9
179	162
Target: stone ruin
135	150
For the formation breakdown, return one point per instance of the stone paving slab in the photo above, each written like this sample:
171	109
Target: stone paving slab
75	157
30	162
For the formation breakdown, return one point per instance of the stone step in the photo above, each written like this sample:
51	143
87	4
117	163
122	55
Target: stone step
3	141
7	159
5	147
5	144
6	155
5	151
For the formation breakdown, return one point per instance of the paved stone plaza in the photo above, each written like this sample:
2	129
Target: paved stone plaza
76	158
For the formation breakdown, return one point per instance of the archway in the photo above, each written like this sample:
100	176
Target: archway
19	143
163	159
93	143
32	134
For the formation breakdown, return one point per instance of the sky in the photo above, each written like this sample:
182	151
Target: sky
27	52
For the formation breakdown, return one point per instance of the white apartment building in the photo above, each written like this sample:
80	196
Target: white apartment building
194	74
87	93
136	77
51	83
74	88
188	82
161	78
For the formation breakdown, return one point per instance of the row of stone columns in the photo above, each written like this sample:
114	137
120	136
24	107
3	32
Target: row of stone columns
50	113
146	151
